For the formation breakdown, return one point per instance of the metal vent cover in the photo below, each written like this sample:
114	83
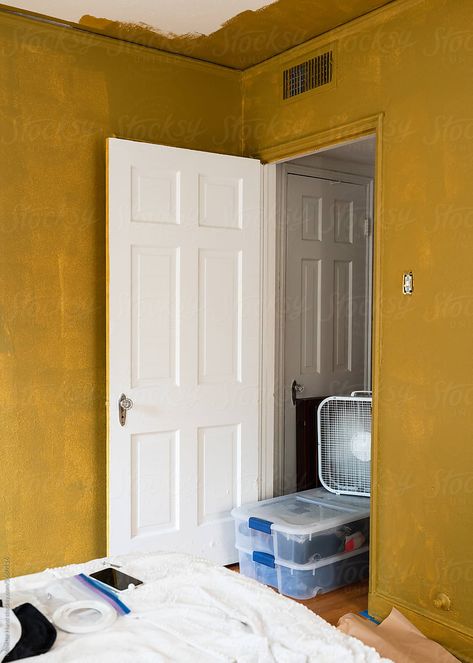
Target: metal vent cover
308	75
344	445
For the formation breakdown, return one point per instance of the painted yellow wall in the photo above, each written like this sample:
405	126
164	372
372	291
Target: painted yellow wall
414	63
61	95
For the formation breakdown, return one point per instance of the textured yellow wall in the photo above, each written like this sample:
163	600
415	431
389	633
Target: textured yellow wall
61	94
414	63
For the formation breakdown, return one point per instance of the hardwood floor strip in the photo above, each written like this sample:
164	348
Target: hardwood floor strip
333	605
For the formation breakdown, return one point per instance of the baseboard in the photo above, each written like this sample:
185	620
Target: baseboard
458	642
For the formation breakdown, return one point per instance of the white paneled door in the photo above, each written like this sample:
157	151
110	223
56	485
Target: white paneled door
184	339
327	295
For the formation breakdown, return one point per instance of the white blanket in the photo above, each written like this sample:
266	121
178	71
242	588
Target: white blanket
189	610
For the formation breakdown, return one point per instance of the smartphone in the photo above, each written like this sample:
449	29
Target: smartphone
115	579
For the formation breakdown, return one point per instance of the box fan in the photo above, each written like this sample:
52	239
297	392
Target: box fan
344	443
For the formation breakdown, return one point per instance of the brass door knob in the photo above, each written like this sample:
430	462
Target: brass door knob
124	404
442	602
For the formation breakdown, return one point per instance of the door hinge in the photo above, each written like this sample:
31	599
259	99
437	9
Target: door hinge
367	227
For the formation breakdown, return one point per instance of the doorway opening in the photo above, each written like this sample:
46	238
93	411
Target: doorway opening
326	217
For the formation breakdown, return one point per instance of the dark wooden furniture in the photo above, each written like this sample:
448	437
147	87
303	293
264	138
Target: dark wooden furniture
306	442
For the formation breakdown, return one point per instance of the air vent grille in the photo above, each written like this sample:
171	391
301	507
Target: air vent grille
308	75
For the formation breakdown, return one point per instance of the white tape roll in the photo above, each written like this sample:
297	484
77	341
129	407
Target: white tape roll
84	616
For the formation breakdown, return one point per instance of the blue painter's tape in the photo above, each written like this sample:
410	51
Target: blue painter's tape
367	615
260	525
263	558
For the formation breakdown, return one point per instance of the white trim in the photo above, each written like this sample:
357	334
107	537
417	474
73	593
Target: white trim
280	194
268	332
276	199
369	285
272	415
274	291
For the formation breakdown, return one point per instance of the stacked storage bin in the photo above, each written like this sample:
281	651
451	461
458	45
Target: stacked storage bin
305	543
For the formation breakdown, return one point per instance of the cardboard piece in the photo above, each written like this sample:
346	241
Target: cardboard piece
395	638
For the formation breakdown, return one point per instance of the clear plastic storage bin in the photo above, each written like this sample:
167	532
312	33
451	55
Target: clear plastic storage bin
305	581
304	527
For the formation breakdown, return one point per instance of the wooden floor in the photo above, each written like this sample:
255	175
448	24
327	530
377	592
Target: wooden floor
333	605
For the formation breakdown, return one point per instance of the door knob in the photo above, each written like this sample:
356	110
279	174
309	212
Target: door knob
442	602
296	388
124	404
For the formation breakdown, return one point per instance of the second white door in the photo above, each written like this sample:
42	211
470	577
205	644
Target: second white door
326	295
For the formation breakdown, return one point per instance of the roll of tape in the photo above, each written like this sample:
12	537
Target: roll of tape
67	617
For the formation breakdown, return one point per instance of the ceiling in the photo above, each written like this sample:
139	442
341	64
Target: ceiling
169	16
360	152
234	33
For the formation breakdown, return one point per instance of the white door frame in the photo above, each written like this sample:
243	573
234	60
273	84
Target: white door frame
273	321
268	333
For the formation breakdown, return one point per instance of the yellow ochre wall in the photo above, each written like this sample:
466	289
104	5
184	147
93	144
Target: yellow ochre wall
61	94
413	62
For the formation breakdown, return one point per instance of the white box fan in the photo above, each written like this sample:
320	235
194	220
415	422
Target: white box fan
344	443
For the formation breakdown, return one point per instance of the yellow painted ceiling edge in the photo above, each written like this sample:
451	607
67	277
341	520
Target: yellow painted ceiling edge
375	17
250	36
87	32
242	42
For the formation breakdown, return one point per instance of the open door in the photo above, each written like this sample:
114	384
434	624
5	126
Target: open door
183	347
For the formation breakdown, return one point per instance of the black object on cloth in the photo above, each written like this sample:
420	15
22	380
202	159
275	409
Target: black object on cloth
37	633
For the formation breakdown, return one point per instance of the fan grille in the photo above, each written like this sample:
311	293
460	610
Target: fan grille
345	445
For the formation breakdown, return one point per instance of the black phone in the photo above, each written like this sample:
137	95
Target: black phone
115	579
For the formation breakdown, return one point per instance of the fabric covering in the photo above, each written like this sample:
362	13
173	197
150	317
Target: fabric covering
192	610
10	631
37	634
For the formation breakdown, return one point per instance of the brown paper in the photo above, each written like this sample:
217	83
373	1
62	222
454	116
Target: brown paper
395	638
